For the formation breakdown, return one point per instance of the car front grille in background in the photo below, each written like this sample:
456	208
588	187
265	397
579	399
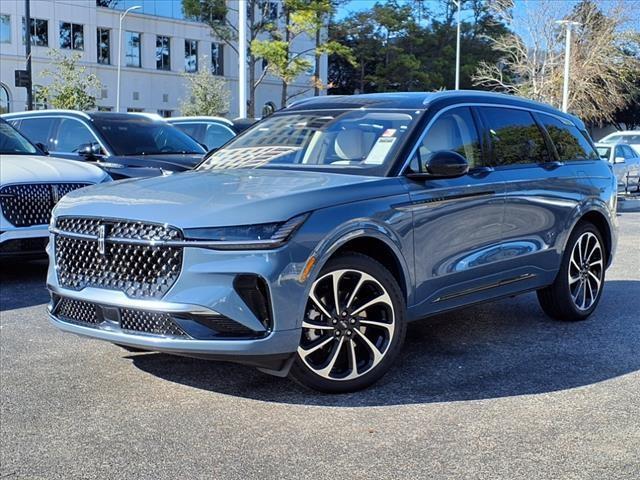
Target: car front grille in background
140	270
134	321
31	204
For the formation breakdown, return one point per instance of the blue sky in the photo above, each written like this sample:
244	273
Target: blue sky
521	7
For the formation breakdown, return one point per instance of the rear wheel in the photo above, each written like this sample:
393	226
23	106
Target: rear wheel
353	326
575	293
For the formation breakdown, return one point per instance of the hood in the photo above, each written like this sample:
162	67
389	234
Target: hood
40	168
224	197
173	162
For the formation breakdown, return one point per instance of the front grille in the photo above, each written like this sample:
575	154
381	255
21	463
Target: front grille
77	311
149	322
31	204
140	271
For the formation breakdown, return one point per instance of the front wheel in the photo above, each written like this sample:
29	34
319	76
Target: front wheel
353	326
577	289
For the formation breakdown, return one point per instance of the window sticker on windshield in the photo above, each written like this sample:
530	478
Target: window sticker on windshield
380	150
389	132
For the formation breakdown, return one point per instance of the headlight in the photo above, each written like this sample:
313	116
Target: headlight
260	236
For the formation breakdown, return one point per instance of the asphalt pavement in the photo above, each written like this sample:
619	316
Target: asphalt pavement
494	391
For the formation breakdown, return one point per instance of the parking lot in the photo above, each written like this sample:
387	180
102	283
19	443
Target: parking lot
497	391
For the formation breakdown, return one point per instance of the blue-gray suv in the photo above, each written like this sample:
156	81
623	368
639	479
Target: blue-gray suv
306	244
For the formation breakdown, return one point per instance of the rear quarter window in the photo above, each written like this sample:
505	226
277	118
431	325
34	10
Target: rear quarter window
570	143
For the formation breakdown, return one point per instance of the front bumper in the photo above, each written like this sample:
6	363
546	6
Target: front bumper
23	241
204	287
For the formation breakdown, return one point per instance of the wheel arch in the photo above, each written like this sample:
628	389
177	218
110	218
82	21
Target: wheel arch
604	225
373	241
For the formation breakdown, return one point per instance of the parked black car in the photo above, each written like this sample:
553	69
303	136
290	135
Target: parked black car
123	144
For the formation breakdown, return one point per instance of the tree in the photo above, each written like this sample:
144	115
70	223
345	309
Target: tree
284	60
407	46
208	95
601	71
70	87
260	22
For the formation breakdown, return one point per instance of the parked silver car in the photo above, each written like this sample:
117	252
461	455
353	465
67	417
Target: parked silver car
626	164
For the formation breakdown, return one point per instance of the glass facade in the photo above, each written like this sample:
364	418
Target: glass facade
190	56
163	53
161	8
132	45
71	36
5	28
104	45
5	105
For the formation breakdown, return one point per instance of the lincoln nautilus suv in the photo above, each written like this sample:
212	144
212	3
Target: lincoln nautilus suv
306	244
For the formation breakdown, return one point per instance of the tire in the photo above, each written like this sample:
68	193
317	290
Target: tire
332	343
571	296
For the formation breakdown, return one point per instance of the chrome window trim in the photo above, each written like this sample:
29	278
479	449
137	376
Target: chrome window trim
69	117
413	151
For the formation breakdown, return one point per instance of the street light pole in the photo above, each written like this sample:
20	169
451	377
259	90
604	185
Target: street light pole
122	15
457	4
27	22
567	53
242	58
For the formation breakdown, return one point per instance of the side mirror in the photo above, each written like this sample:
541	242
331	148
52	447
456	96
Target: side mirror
618	160
443	164
43	147
89	150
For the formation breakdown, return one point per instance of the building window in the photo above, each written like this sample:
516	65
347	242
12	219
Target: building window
5	105
104	45
163	53
5	28
39	102
135	110
71	36
39	32
105	109
190	56
217	59
165	113
132	42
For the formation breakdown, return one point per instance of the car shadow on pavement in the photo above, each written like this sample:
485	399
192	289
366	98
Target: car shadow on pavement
22	284
500	349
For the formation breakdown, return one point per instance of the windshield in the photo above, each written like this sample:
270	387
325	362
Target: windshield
12	142
354	141
629	139
604	152
139	136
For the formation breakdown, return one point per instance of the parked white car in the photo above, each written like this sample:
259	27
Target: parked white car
625	162
31	183
629	137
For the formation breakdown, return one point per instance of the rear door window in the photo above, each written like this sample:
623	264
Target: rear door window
217	135
38	130
570	143
629	153
515	137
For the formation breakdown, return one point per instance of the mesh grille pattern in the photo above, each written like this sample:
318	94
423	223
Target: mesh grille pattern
26	205
77	311
149	322
140	271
